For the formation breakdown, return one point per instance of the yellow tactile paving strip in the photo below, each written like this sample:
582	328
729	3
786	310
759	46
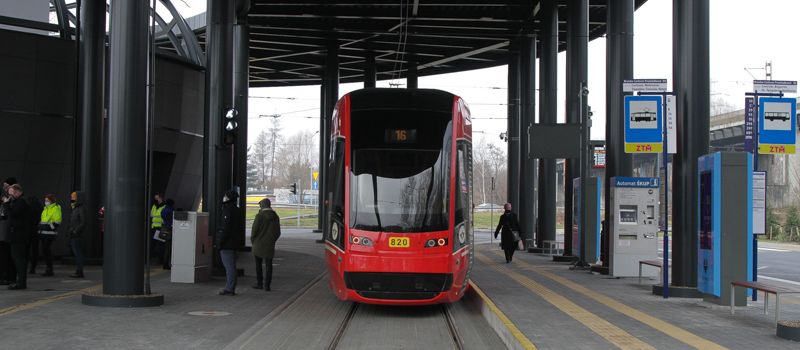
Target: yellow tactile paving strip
667	328
597	324
521	338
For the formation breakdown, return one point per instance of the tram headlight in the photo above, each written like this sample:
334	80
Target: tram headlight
462	235
356	240
364	241
430	243
442	242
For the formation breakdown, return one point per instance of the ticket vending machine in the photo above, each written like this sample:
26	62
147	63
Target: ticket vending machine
724	229
634	227
593	195
191	248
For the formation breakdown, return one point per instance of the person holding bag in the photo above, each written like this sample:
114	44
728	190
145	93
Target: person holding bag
48	229
509	229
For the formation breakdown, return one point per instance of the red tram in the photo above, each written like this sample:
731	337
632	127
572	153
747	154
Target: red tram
399	189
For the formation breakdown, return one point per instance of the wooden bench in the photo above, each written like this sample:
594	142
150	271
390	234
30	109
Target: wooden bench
657	263
767	288
553	244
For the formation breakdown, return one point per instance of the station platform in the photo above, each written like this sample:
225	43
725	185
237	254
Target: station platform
529	303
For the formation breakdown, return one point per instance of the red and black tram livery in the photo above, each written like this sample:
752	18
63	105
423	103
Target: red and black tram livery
399	193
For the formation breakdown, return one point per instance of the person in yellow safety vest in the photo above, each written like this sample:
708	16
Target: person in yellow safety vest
157	244
48	229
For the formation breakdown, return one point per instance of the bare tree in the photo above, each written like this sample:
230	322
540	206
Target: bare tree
260	160
295	161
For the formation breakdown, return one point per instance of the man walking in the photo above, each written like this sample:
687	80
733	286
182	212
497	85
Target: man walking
266	231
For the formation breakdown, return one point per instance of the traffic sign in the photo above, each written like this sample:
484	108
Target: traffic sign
315	185
775	86
643	124
777	125
315	175
652	85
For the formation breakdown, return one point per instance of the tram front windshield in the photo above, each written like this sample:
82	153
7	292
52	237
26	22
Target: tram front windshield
400	185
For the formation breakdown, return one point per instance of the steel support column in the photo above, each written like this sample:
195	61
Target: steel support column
322	158
219	95
690	41
513	128
412	76
331	85
370	70
619	66
91	64
577	72
548	108
241	73
126	209
527	175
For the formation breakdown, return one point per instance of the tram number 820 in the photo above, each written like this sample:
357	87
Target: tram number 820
399	242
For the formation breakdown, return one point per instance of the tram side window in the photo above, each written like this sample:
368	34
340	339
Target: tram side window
336	184
462	184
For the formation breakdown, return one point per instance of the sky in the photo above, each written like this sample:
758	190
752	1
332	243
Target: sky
742	35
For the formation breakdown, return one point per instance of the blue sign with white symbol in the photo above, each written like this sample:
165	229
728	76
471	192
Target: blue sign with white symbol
638	182
315	185
643	124
777	125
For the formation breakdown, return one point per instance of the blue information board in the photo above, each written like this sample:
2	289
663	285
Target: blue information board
643	124
777	125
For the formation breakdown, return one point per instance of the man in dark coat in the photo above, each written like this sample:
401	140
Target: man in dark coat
19	234
77	224
228	241
508	225
266	231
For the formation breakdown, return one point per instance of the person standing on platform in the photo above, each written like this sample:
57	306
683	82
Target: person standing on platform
228	241
157	240
166	229
509	229
33	245
266	231
7	272
19	234
77	224
48	229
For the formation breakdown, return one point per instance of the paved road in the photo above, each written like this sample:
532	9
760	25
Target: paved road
779	261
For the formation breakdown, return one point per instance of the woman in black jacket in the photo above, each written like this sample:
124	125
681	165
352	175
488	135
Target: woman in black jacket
508	225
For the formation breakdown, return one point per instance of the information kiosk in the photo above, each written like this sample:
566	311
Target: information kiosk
725	230
593	195
634	227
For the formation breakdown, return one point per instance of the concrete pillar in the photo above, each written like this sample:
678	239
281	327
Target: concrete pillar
219	95
619	66
91	66
690	42
527	176
412	77
331	96
513	128
370	70
126	210
548	108
241	84
577	72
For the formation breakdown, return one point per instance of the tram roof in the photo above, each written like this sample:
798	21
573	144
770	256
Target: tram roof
288	39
